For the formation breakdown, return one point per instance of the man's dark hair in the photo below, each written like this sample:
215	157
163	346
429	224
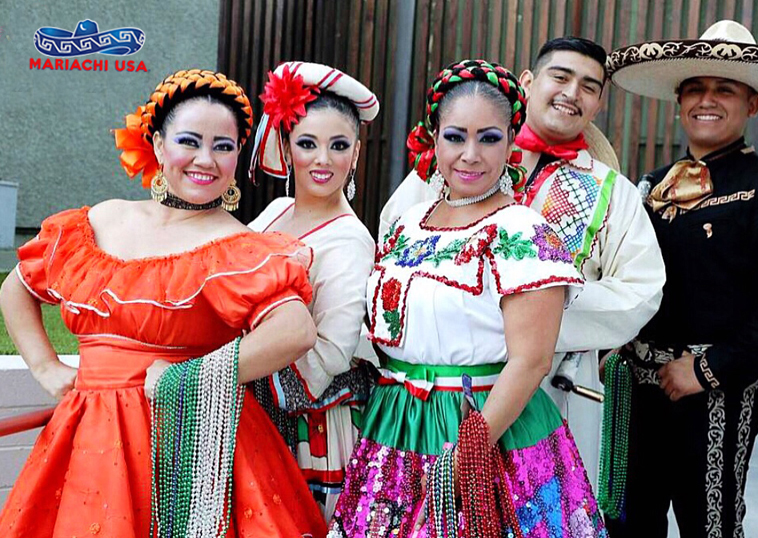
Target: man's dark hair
573	44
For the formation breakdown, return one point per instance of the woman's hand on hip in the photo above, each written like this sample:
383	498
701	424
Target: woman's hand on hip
56	378
152	375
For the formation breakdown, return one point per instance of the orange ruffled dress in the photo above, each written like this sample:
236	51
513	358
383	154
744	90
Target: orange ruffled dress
89	473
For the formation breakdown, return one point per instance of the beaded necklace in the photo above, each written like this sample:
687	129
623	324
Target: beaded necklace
486	500
460	202
195	414
614	445
440	505
171	200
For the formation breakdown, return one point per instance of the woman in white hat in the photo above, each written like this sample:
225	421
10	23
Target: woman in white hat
309	136
693	393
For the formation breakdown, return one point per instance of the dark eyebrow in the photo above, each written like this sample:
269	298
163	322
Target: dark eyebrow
228	138
189	133
461	129
570	71
313	137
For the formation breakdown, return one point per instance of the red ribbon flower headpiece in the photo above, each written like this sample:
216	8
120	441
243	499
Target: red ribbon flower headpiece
420	142
284	98
289	90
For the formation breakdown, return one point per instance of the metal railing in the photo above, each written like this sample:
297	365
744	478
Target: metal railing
26	421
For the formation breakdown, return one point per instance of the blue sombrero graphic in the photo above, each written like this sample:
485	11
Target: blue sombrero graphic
88	39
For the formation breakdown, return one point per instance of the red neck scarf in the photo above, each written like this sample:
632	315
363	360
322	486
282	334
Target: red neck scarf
530	141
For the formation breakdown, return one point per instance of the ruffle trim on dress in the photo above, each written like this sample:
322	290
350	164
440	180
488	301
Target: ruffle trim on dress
82	276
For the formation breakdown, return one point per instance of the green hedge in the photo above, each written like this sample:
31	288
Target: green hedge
63	341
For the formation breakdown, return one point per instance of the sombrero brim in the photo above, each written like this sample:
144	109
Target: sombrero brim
657	68
599	147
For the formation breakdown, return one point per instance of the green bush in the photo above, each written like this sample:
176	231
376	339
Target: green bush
63	341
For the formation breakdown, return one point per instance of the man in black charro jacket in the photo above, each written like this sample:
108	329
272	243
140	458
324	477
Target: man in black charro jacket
695	364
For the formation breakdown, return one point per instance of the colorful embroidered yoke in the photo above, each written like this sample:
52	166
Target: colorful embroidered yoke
574	200
501	254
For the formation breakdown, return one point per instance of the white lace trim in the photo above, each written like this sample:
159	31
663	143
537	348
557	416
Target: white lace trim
274	305
180	304
29	288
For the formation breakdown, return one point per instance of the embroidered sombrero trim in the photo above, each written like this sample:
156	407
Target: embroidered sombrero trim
681	50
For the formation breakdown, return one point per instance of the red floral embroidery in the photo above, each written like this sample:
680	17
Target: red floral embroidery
391	294
475	245
389	242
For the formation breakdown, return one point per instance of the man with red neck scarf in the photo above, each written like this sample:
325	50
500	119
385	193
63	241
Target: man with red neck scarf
595	210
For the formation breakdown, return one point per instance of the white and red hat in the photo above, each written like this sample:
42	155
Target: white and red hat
289	88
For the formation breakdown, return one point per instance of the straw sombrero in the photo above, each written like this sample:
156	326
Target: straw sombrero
599	147
657	68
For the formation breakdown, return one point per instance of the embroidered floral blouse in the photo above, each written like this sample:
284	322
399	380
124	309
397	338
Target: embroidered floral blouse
434	295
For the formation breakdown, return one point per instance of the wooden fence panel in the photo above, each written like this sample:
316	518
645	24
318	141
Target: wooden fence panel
361	38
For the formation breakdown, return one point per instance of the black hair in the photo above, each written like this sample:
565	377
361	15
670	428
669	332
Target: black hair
580	45
476	88
163	118
331	101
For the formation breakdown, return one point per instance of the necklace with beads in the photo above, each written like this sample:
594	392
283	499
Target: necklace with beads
614	444
171	200
472	199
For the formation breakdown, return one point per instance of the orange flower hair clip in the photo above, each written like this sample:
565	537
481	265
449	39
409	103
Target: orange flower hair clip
137	153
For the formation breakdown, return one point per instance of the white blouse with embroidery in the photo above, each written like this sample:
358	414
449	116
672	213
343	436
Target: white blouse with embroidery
434	295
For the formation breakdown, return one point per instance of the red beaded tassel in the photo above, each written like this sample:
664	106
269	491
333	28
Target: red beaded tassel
485	494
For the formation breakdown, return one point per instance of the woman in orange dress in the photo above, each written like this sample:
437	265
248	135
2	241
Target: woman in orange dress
144	285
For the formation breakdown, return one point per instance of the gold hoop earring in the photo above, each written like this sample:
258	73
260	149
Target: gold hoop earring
230	200
159	187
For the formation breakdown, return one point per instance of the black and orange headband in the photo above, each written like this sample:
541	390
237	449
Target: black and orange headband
136	139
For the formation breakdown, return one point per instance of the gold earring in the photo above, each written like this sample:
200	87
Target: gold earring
230	200
159	187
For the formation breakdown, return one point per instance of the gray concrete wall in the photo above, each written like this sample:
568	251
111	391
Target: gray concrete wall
20	394
55	138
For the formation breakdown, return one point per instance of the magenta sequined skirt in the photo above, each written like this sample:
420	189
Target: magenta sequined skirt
551	493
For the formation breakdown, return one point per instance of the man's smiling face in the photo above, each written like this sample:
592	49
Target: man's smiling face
714	112
564	95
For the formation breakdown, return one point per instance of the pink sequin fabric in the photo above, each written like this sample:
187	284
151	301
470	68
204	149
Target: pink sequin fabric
551	493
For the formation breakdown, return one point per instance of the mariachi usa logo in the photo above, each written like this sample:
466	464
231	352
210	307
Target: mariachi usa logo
88	39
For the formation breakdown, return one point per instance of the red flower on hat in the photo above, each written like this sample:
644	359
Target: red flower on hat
285	96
